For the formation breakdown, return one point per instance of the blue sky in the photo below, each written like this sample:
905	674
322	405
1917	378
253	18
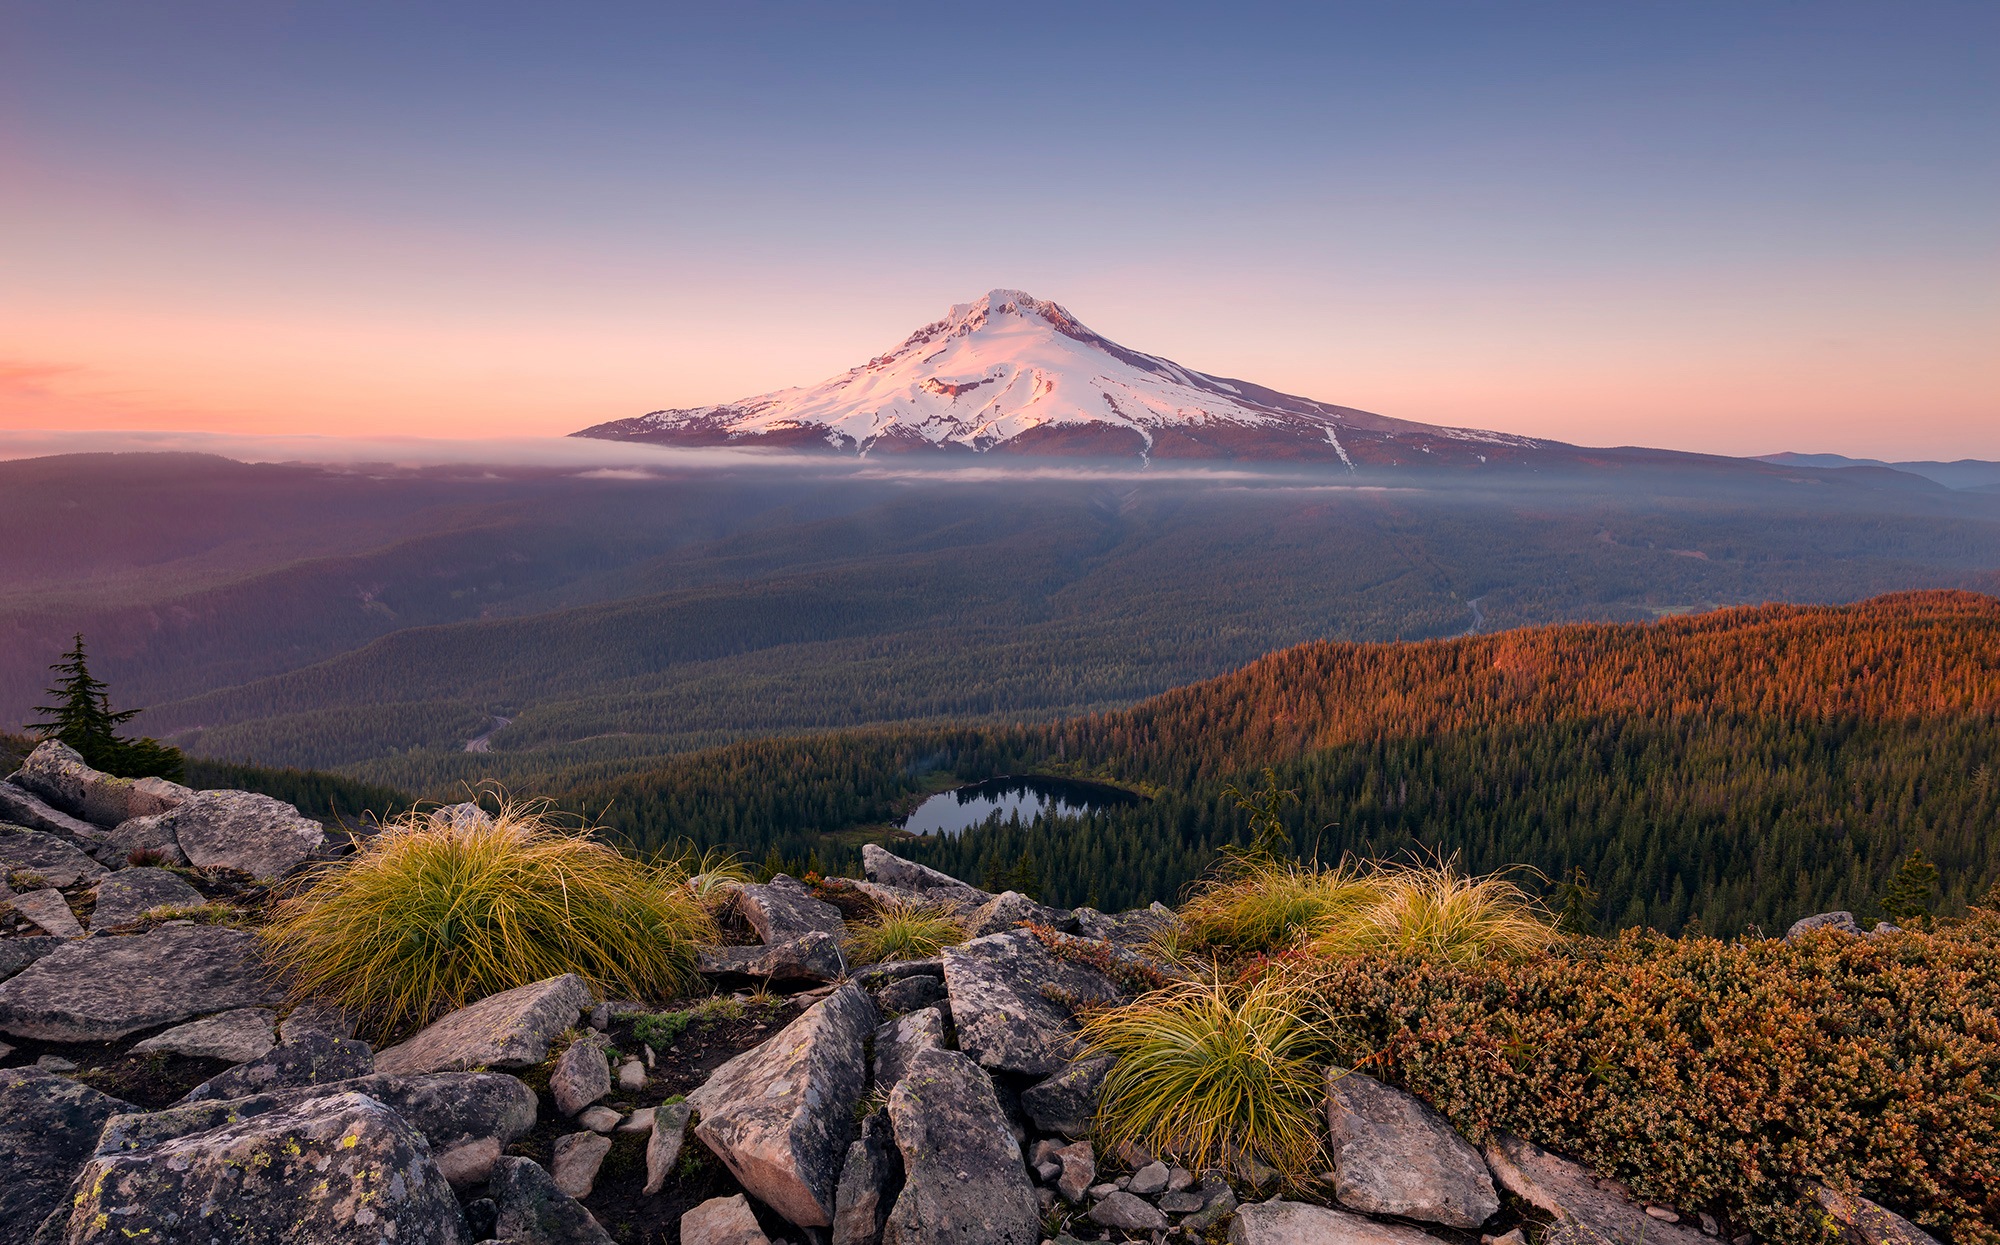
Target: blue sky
1738	227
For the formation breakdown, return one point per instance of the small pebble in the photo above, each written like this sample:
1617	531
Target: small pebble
1709	1226
1048	1170
1179	1178
54	1063
640	1121
631	1076
1103	1190
599	1119
1662	1214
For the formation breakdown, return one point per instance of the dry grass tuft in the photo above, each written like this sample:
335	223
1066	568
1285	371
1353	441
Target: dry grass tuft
1434	912
1212	1071
427	917
1272	906
903	932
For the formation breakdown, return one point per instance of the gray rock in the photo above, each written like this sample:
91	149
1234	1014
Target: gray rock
581	1076
22	807
631	1076
964	1183
99	989
1294	1223
530	1210
663	1148
1064	1103
781	1115
868	1183
17	953
907	994
1179	1178
576	1160
314	1016
508	1030
599	1119
308	1059
901	1040
1568	1191
49	911
640	1121
130	894
1838	922
48	1125
56	861
1078	1162
346	1165
56	773
263	837
876	976
885	868
1123	1210
1393	1154
468	1117
722	1221
1858	1221
1217	1201
1136	928
465	816
1001	987
137	834
1179	1202
1010	910
55	1063
1149	1180
813	956
782	909
237	1036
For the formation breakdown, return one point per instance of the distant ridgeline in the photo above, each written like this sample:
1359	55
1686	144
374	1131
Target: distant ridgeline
1739	768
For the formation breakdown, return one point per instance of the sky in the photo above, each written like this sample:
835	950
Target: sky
1733	227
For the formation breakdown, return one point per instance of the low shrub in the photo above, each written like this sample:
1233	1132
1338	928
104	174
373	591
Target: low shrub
428	916
903	932
1212	1072
1712	1075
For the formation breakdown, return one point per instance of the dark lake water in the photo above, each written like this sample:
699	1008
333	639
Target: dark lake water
953	812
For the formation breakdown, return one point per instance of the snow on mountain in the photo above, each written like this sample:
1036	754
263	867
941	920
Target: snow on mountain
1013	373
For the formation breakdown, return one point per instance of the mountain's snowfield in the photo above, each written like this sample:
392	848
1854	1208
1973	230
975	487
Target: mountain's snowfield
1011	372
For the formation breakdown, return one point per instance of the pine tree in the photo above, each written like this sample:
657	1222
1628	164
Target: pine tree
1911	892
82	718
1576	905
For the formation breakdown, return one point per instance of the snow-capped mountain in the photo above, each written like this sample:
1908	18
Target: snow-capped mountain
1013	373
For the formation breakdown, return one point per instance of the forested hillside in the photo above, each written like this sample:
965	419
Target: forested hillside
1740	768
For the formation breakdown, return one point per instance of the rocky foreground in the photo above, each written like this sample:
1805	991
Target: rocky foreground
938	1100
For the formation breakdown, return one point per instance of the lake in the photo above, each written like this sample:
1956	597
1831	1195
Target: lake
1028	797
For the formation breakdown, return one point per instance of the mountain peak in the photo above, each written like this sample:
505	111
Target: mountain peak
1009	371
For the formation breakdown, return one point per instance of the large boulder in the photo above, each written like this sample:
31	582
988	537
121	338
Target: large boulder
1393	1154
532	1211
1065	1101
868	1183
130	894
1010	1000
1568	1191
1838	922
100	989
328	1171
17	953
963	1182
812	956
512	1029
56	861
22	807
48	1125
901	1040
49	911
722	1221
263	837
781	1115
1011	910
888	869
468	1117
1295	1223
55	772
1858	1221
782	909
153	834
238	1037
308	1059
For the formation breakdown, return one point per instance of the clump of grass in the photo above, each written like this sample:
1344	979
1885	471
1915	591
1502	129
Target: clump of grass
26	880
1435	912
210	913
1269	905
903	932
145	857
711	874
428	916
1210	1072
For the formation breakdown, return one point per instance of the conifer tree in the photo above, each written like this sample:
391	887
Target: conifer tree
1912	891
82	718
1576	905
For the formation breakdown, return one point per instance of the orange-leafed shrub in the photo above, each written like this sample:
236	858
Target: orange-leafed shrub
1714	1075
